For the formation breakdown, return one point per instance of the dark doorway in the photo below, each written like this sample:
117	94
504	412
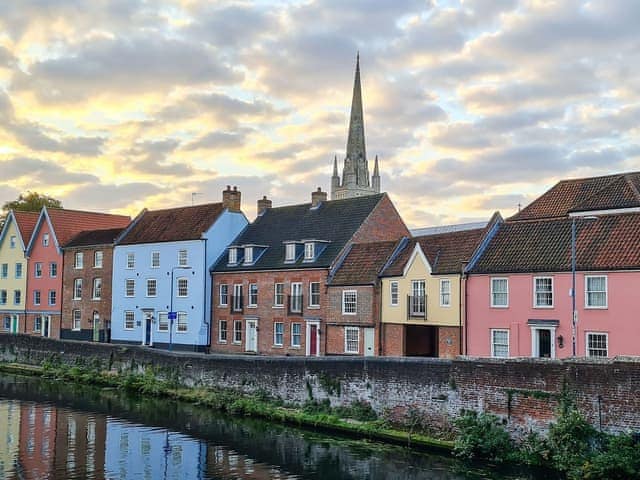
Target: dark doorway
544	343
421	341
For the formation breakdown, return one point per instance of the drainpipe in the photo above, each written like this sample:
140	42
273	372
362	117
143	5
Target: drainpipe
463	326
207	275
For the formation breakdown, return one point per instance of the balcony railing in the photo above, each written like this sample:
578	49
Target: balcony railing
295	304
236	303
416	307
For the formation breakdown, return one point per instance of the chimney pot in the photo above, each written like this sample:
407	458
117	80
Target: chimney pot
318	197
231	199
264	204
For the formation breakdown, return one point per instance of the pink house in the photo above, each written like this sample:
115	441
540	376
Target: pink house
519	301
54	228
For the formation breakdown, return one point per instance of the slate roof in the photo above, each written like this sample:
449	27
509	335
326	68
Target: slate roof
26	223
94	237
334	221
363	263
446	252
68	223
609	242
621	190
173	224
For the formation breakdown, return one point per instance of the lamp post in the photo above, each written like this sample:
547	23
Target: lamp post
171	312
574	318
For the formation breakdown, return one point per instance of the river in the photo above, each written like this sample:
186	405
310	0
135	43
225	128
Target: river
59	431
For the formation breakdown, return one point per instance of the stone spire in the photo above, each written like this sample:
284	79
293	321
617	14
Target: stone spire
335	178
375	178
355	140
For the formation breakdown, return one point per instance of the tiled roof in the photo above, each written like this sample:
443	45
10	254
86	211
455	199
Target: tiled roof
363	263
173	224
583	194
608	242
94	237
334	222
446	252
26	223
68	223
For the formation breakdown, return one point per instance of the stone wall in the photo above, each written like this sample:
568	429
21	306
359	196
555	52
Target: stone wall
524	392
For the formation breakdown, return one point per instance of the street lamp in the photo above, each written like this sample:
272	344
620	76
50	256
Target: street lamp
172	315
574	318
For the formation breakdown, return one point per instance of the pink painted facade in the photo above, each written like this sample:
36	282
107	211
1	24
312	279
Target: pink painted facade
529	328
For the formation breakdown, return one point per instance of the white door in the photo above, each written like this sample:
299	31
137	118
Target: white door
251	344
368	342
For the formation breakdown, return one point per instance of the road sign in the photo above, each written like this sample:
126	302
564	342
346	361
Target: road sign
173	315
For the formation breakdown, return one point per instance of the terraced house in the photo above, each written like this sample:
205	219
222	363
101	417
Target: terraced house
14	239
522	299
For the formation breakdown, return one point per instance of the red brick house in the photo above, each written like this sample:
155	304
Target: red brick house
270	287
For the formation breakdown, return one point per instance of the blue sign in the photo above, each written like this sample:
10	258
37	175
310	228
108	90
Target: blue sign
173	315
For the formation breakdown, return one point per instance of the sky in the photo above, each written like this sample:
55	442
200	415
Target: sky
471	105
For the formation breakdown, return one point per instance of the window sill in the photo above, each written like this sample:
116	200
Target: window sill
238	343
596	308
499	306
76	329
543	307
278	306
296	347
223	305
314	307
222	342
96	298
278	346
252	306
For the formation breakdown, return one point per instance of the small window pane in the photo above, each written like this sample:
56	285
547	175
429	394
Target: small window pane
597	345
500	343
351	340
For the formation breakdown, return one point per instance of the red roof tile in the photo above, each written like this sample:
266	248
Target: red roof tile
173	224
68	223
94	237
363	263
26	223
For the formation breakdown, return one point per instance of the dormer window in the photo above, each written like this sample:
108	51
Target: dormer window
309	251
45	240
290	252
248	254
233	256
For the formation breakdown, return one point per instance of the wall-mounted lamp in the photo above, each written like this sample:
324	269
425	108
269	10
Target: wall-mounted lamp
560	341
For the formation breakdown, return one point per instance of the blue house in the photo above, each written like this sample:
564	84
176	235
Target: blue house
161	288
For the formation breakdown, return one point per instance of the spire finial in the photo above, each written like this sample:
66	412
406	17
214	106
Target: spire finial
335	166
355	140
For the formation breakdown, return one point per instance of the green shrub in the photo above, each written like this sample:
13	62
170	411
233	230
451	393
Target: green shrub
534	450
482	436
359	410
620	460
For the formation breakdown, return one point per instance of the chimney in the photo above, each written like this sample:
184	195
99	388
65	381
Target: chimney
264	204
231	199
317	197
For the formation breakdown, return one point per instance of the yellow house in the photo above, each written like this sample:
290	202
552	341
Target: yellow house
14	238
422	310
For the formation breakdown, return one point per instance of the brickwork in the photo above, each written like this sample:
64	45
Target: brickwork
393	339
54	324
384	223
448	342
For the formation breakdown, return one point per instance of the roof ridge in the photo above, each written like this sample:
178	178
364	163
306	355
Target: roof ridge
581	179
614	179
91	212
456	232
632	185
183	207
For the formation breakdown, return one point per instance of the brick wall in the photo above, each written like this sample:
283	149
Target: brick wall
448	342
393	339
523	392
384	223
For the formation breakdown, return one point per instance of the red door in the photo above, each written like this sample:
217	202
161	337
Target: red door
313	340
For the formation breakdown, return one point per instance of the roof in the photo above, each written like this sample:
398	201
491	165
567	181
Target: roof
608	242
417	232
94	237
446	252
584	194
363	263
173	224
26	223
334	221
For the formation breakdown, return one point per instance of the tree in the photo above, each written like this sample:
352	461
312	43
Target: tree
28	202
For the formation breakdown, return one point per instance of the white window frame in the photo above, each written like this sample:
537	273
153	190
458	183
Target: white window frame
224	330
277	304
182	291
53	266
183	257
309	251
535	350
163	322
133	287
295	303
77	289
55	297
130	261
289	252
17	297
37	270
45	240
37	297
311	304
4	270
76	320
155	259
233	256
179	324
493	292
248	255
127	314
355	302
252	301
237	305
394	285
237	332
98	259
346	340
12	241
445	281
586	344
606	293
294	335
4	297
19	270
418	290
96	290
493	331
276	333
155	288
225	295
78	261
535	296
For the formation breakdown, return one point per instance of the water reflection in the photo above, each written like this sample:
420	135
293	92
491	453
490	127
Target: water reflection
58	431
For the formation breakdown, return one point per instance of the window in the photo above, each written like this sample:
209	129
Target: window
500	343
296	297
309	250
237	297
3	297
351	340
278	333
79	260
233	256
248	254
155	259
393	286
163	322
445	292
97	259
152	287
278	295
36	297
129	320
314	294
499	292
37	323
12	241
4	270
182	258
253	294
237	331
223	295
543	292
181	326
417	304
183	287
296	334
97	289
289	252
595	291
77	289
597	345
53	270
52	297
131	260
349	302
18	270
222	331
17	297
45	240
76	320
6	323
37	271
129	287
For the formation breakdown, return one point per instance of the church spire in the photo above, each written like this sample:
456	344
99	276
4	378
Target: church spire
355	140
375	178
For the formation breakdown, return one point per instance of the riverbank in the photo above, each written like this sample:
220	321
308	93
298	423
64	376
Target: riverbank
356	421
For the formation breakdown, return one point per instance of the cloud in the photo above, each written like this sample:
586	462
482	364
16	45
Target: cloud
219	140
42	172
99	196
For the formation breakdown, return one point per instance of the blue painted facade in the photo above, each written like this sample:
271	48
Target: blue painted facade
148	310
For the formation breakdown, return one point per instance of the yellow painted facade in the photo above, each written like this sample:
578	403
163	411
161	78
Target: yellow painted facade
436	314
9	436
11	255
